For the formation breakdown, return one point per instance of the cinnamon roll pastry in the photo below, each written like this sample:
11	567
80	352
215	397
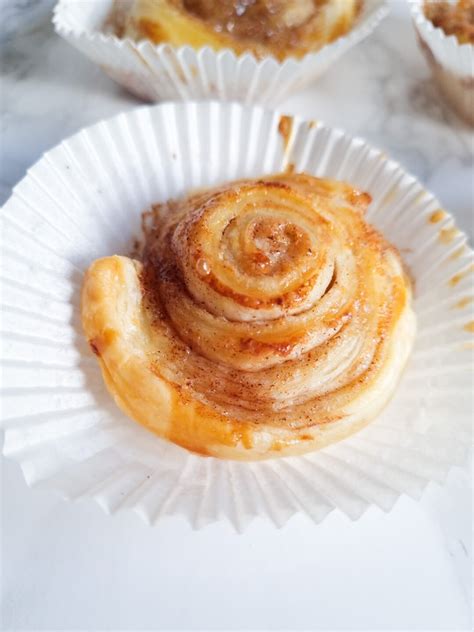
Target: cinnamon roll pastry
280	28
265	318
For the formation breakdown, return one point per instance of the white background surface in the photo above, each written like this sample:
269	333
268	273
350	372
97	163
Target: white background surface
68	566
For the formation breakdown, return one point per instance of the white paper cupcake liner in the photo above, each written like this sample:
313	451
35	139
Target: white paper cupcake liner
452	63
457	58
165	72
84	200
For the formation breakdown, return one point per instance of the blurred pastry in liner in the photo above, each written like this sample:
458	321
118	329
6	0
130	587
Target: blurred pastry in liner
281	28
453	18
449	49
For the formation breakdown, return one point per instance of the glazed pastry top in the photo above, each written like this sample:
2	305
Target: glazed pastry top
264	27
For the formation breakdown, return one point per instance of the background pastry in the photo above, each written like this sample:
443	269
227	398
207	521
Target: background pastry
164	51
446	36
455	18
264	27
266	318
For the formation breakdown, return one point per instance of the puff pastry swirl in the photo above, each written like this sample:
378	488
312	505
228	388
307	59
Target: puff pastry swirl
265	27
266	318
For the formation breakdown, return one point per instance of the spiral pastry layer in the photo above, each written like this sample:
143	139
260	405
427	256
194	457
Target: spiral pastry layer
266	318
265	27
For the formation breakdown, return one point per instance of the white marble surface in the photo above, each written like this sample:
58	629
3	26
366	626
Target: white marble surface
71	567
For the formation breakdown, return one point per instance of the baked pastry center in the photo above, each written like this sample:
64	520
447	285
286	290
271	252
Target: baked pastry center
264	27
265	318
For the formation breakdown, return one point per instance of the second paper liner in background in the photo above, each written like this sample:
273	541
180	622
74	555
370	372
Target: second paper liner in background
164	72
451	63
84	200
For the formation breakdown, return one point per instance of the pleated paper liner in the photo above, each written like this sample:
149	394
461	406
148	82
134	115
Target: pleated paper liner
163	72
451	63
84	199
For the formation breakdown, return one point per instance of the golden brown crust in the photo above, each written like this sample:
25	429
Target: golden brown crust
280	28
312	355
454	19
